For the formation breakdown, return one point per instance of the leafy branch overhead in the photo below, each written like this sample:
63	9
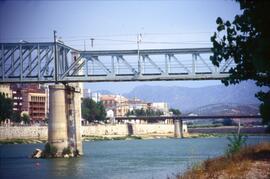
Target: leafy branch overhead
246	40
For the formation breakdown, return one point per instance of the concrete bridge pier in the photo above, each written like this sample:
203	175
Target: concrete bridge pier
64	128
178	128
58	126
77	127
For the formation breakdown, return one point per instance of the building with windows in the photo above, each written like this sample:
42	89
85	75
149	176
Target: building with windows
136	103
30	99
117	103
161	106
36	106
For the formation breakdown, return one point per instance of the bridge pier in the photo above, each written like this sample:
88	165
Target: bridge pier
178	128
64	118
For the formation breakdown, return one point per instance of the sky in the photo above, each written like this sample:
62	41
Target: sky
115	25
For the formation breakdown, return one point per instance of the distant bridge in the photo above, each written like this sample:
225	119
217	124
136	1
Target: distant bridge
188	117
55	62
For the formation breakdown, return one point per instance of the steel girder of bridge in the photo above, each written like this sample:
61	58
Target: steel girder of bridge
56	62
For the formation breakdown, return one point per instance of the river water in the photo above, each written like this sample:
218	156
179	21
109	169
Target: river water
126	159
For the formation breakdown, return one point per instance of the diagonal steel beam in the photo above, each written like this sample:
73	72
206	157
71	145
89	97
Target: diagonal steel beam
14	50
46	66
77	69
183	66
15	62
209	68
226	65
31	60
153	63
127	64
38	62
107	70
71	67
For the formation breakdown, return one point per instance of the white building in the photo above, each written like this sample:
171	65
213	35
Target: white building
161	106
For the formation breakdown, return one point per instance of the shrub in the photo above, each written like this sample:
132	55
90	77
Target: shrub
236	142
49	150
66	151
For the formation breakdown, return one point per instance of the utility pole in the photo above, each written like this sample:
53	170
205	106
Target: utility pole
139	39
55	58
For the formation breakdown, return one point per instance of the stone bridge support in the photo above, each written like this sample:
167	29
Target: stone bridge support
64	128
178	128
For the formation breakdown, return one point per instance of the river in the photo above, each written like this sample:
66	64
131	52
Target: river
124	159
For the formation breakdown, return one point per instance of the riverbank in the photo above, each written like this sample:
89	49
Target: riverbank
127	137
22	141
249	162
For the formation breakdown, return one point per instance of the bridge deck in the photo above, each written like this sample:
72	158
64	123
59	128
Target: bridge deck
49	62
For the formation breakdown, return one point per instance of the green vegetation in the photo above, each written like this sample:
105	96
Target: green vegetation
49	151
5	107
246	40
92	111
16	117
67	151
25	118
237	141
143	112
6	111
175	111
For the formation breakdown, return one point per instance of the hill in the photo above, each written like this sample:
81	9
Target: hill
189	99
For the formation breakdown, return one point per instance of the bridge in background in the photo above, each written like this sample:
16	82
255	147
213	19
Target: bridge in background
55	62
161	118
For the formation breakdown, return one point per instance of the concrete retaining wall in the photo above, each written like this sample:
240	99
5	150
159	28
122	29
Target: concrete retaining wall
37	132
24	132
101	130
143	129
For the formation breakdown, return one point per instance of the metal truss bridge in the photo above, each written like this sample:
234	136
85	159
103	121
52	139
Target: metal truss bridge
55	62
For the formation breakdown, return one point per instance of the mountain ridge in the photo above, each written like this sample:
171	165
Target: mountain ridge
187	99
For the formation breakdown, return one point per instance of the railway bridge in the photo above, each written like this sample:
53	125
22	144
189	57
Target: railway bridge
65	69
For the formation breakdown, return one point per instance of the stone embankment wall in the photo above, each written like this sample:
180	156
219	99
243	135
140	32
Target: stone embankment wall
38	132
24	132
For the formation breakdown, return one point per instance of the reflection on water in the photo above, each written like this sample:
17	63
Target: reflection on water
65	167
115	159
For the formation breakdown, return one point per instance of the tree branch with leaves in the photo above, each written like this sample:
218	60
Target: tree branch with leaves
246	41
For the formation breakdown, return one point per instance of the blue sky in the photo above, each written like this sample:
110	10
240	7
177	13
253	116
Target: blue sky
187	23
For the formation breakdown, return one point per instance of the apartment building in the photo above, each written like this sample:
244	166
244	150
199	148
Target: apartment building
30	99
117	103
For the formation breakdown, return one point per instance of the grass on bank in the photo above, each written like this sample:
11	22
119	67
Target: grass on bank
237	165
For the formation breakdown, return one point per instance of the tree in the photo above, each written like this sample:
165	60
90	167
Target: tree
143	112
175	111
5	107
16	117
246	40
26	118
92	111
